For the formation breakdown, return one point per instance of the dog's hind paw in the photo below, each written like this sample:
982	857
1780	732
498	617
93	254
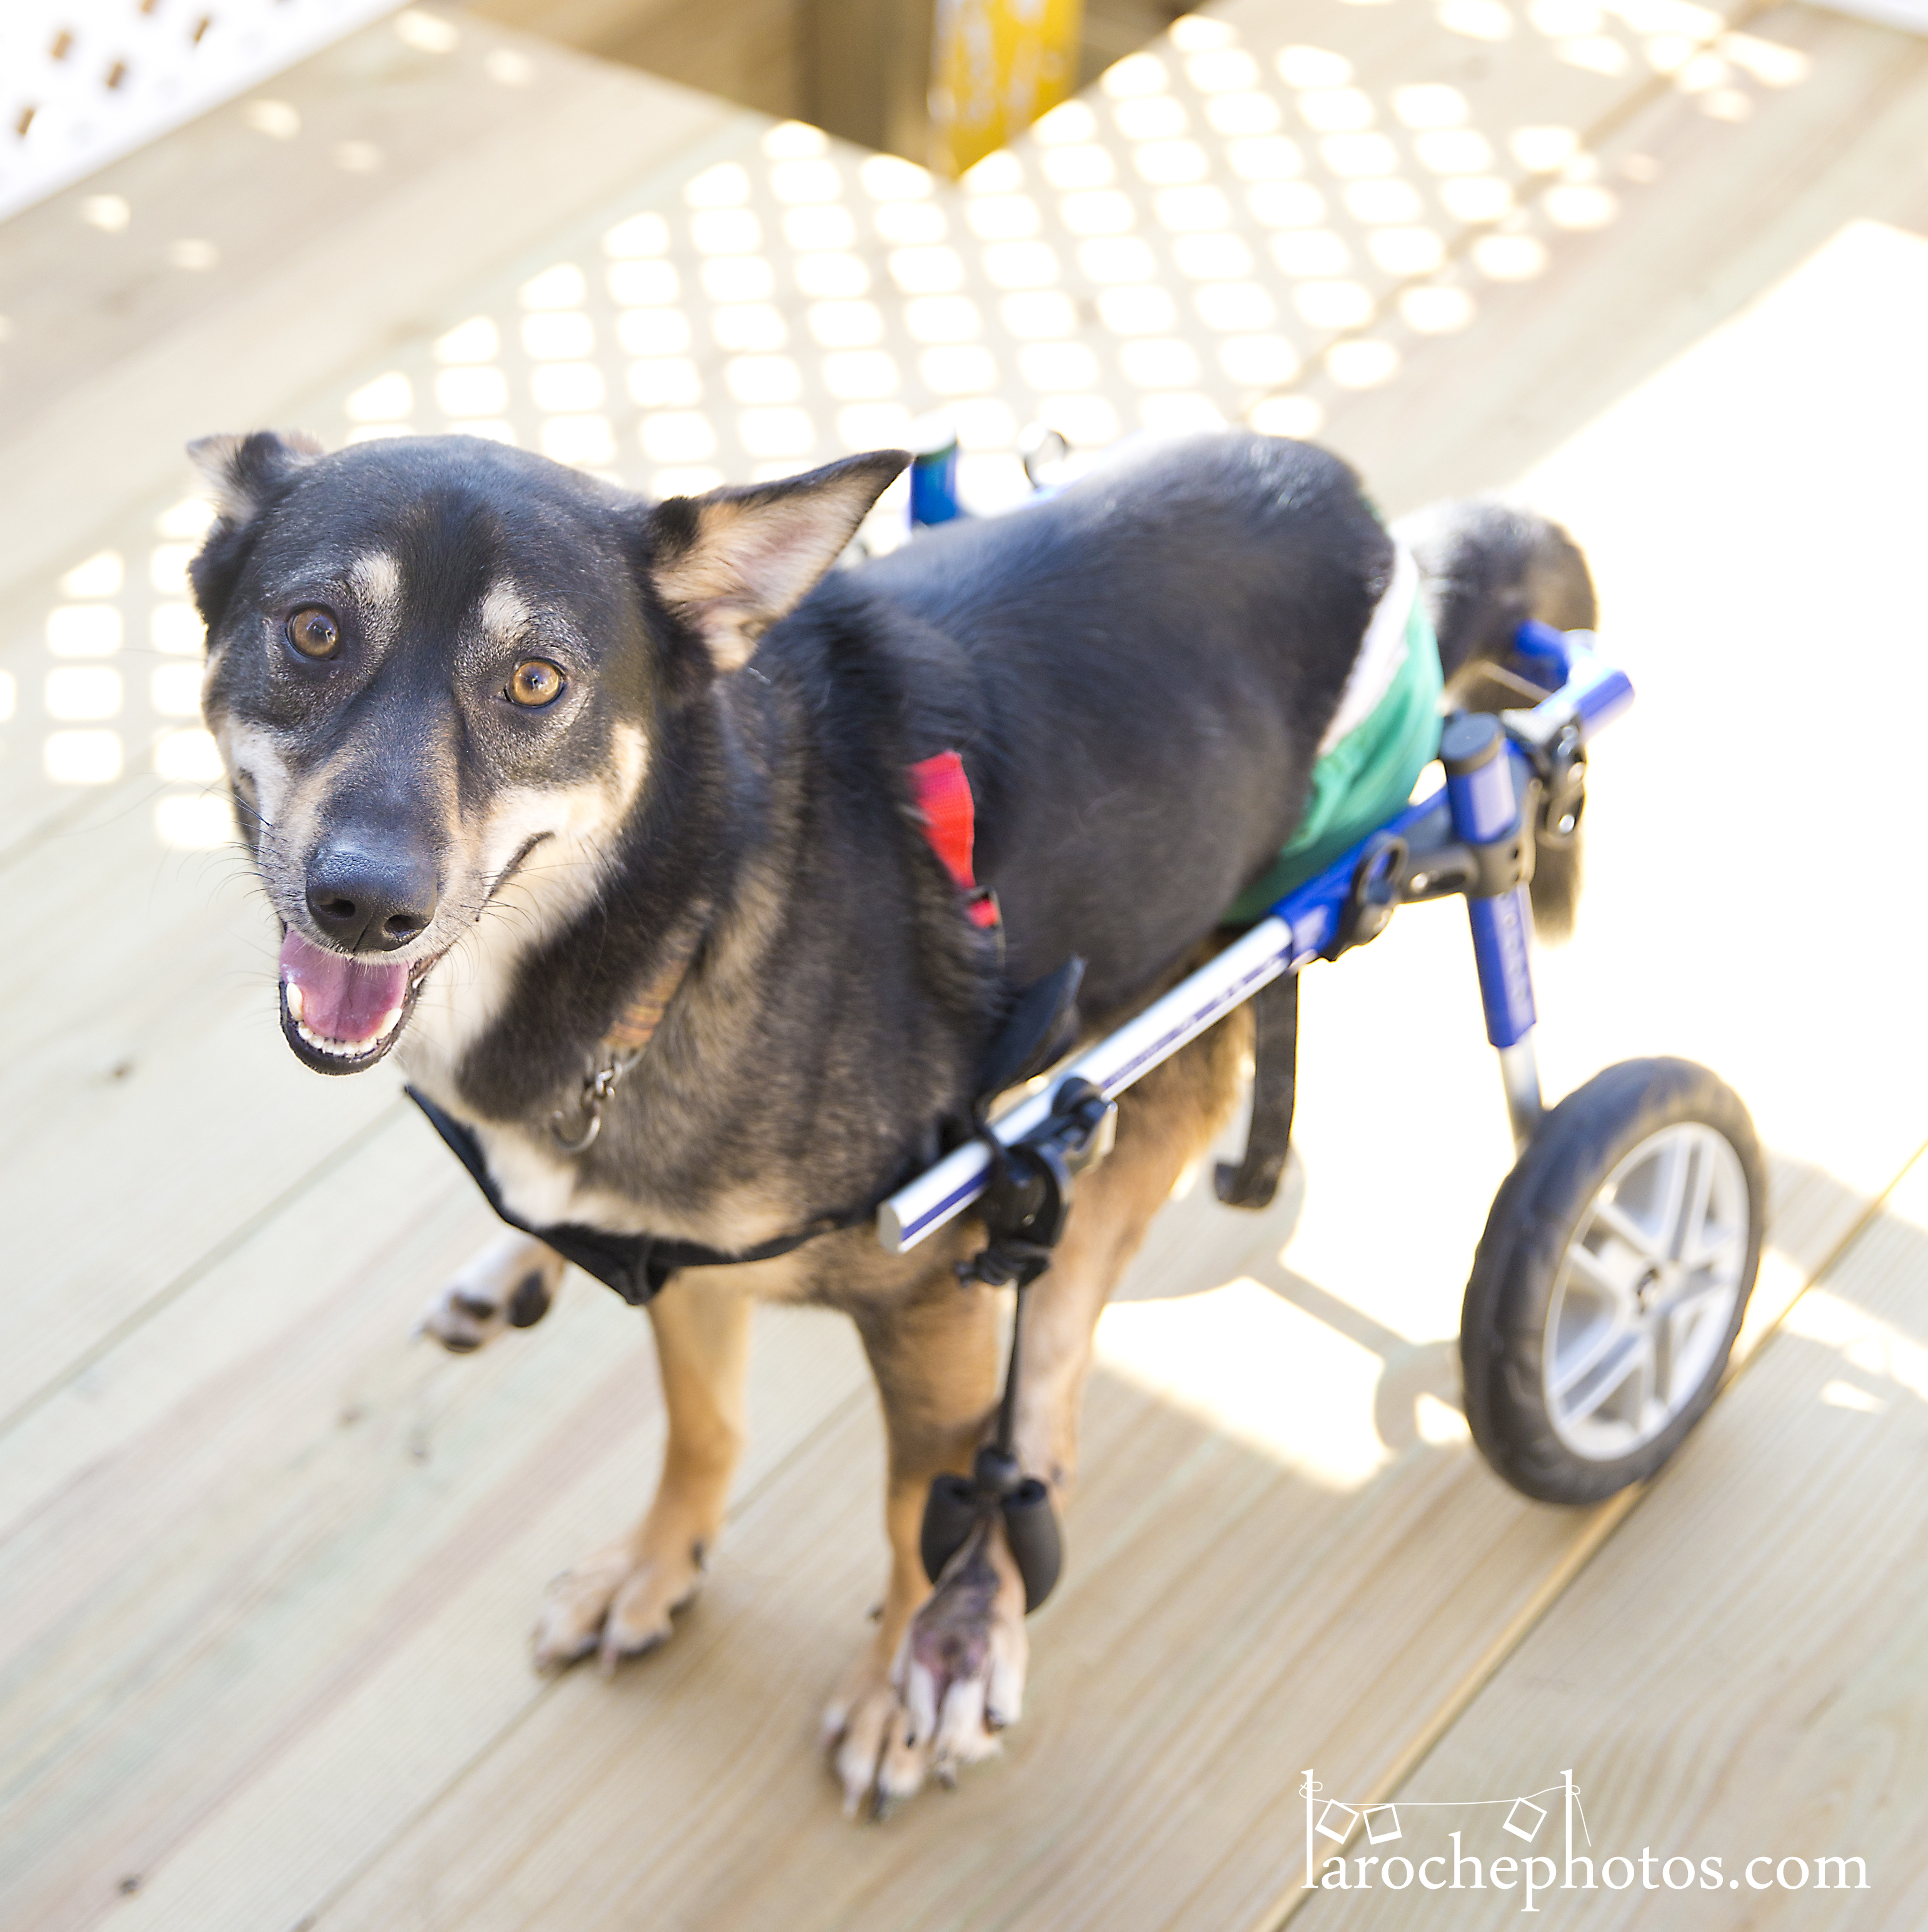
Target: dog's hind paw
509	1284
957	1681
616	1602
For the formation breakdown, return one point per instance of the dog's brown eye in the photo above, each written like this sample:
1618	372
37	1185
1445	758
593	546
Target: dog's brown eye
314	633
536	683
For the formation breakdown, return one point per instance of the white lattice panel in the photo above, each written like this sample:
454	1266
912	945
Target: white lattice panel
1912	14
82	81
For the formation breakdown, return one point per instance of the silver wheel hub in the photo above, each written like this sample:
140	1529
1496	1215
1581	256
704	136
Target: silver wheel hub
1645	1292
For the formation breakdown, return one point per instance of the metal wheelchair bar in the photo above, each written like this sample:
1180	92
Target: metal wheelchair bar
943	1191
1300	927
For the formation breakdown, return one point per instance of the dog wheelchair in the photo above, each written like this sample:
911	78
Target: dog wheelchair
1618	1257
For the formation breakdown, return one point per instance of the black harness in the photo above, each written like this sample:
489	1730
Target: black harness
636	1266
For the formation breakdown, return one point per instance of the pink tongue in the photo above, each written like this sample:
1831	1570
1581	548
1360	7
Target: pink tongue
341	999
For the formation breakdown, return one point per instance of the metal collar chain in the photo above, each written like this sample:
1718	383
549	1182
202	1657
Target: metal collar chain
625	1043
596	1090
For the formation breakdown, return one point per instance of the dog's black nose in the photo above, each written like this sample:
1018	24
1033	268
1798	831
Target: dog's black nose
371	902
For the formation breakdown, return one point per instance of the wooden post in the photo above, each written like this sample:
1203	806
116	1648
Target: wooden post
864	69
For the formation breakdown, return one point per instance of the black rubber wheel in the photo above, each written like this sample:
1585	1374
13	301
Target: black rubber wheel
1611	1280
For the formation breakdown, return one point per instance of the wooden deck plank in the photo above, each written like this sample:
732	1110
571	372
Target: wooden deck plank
1699	216
150	1108
1522	77
277	1664
1740	1670
1159	1825
222	1533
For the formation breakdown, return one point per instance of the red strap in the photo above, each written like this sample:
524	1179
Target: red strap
942	794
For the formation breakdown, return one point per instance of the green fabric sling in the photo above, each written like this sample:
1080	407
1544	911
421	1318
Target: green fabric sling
1365	778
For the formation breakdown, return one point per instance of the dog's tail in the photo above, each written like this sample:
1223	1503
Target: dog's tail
1485	567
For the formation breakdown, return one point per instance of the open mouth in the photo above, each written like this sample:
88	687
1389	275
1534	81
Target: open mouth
339	1014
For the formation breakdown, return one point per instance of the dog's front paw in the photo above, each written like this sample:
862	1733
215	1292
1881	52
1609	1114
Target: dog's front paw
958	1679
961	1672
868	1729
510	1284
616	1602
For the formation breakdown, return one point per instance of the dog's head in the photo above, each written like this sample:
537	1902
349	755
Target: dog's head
435	664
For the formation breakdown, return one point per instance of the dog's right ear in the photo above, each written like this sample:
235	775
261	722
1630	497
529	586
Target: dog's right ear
730	563
244	474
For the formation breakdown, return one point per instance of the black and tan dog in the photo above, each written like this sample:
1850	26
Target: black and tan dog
521	757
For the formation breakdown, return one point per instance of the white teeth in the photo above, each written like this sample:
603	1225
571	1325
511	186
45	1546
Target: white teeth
337	1049
292	994
344	1049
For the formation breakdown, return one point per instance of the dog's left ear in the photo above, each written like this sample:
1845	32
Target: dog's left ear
731	563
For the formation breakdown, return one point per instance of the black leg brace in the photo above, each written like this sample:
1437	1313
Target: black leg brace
1275	1077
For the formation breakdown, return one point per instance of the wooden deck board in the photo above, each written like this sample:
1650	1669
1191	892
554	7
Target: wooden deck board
1719	212
601	1798
270	1663
148	1049
278	1497
1739	1672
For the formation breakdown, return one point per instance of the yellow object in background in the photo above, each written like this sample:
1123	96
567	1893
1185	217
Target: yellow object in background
996	65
